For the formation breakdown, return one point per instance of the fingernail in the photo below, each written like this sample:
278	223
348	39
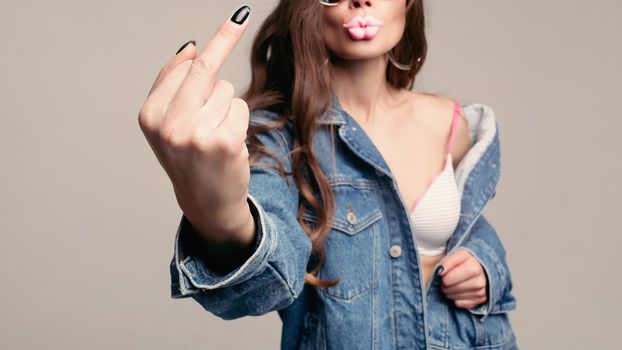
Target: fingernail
186	44
241	15
440	270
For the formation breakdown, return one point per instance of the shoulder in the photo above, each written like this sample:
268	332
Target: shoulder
271	129
436	108
438	111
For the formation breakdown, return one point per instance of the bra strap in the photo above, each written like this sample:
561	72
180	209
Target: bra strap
454	124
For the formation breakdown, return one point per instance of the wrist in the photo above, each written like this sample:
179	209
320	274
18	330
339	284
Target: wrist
234	225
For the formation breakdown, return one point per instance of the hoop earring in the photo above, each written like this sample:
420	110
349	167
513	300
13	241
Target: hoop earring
398	65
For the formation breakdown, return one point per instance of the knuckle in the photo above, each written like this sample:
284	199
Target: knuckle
144	119
197	140
222	142
203	66
147	112
170	136
473	269
226	32
166	135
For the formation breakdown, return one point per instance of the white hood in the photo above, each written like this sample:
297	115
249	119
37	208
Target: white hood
482	130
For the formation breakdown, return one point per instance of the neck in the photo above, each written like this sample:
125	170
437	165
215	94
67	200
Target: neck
362	87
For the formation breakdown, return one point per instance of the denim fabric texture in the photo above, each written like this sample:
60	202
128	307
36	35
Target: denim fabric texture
381	301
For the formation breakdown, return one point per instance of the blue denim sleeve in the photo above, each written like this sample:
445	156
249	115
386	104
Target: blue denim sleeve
484	243
273	276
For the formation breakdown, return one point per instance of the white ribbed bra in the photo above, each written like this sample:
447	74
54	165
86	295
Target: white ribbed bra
437	210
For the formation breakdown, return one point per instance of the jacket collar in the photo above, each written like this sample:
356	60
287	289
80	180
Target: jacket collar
335	113
477	174
482	133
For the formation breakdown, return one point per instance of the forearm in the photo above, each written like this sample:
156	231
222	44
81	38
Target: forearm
272	276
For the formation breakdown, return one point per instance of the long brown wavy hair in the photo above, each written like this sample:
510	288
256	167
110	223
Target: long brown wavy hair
290	77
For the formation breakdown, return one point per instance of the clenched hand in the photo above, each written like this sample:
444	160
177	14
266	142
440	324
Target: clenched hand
463	279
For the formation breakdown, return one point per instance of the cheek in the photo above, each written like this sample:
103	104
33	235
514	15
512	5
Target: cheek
394	27
332	32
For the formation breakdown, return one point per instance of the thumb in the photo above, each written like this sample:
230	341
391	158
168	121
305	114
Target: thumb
452	260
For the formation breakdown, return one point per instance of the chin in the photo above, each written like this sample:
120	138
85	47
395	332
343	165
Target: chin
361	50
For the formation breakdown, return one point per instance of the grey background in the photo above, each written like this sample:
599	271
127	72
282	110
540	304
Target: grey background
88	216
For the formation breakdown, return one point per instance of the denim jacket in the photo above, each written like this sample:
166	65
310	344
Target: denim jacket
381	301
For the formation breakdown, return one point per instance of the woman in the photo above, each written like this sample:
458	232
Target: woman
335	202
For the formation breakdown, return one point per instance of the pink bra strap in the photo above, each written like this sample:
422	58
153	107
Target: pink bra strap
454	124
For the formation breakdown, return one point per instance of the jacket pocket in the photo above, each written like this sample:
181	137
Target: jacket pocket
452	327
491	332
352	244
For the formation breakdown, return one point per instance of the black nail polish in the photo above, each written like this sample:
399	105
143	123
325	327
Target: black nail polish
186	44
440	270
241	15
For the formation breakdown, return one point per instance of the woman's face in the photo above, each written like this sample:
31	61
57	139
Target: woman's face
363	29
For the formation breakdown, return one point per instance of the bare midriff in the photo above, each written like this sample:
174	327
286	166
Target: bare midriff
428	263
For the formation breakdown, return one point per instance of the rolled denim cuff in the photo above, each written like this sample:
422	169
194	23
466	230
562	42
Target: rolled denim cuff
189	275
494	274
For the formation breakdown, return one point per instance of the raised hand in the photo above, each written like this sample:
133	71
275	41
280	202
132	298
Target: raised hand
197	130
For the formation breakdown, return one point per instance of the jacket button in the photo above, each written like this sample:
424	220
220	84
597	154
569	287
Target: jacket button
351	217
395	251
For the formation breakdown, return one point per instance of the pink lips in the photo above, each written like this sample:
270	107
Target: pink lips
363	27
